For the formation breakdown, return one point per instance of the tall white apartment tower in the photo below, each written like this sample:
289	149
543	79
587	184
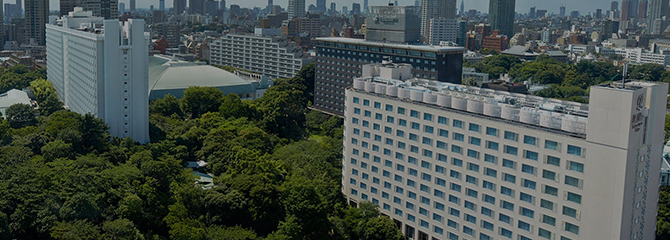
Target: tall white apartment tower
100	66
296	9
446	161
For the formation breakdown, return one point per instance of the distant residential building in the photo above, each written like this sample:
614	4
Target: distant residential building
109	79
435	9
274	57
657	10
665	170
20	58
296	9
442	30
478	78
496	41
398	24
170	31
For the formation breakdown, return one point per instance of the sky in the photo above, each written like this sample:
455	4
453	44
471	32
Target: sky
522	6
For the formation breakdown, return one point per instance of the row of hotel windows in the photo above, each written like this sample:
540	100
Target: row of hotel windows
456	213
553	145
443	134
374	49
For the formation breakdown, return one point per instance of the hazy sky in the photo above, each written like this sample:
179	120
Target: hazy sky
522	6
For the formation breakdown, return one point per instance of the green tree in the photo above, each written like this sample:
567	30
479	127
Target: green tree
381	228
46	96
5	233
121	229
21	115
166	106
75	230
647	72
232	107
57	149
230	233
200	100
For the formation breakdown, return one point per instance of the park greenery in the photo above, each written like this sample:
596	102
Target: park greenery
276	168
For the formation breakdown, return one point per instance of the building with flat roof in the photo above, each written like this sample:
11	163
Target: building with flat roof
446	161
100	67
171	76
340	60
274	57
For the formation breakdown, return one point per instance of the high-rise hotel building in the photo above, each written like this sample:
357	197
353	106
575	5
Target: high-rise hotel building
446	161
100	66
340	60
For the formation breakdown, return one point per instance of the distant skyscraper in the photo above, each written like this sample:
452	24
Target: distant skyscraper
562	9
531	14
179	6
211	7
365	6
625	10
122	8
196	6
396	3
657	9
445	9
132	6
355	8
333	7
37	15
462	9
614	6
599	13
161	5
417	3
634	4
296	9
642	9
320	5
270	3
345	10
501	16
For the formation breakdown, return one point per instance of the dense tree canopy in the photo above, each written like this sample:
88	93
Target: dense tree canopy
276	169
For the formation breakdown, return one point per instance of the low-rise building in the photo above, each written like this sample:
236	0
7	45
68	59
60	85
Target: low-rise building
171	76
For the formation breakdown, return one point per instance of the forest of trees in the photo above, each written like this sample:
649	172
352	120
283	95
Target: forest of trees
276	167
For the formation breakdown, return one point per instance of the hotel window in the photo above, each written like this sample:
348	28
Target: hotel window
509	164
428	117
401	110
574	150
441	120
548	144
549	220
530	155
473	127
414	114
575	166
575	182
510	136
551	160
576	198
549	175
475	141
492	145
511	150
473	167
491	131
458	123
529	140
550	190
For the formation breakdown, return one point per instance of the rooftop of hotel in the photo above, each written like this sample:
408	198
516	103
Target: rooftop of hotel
432	48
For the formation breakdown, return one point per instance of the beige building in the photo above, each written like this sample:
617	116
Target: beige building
446	161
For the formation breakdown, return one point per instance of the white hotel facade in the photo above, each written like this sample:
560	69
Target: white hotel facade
446	161
100	66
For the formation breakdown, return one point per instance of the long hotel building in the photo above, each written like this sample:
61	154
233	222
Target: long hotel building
340	60
446	161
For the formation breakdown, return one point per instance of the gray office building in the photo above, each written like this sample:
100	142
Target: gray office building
339	61
501	16
393	24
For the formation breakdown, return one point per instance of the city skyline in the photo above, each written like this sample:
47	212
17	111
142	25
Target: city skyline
522	6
